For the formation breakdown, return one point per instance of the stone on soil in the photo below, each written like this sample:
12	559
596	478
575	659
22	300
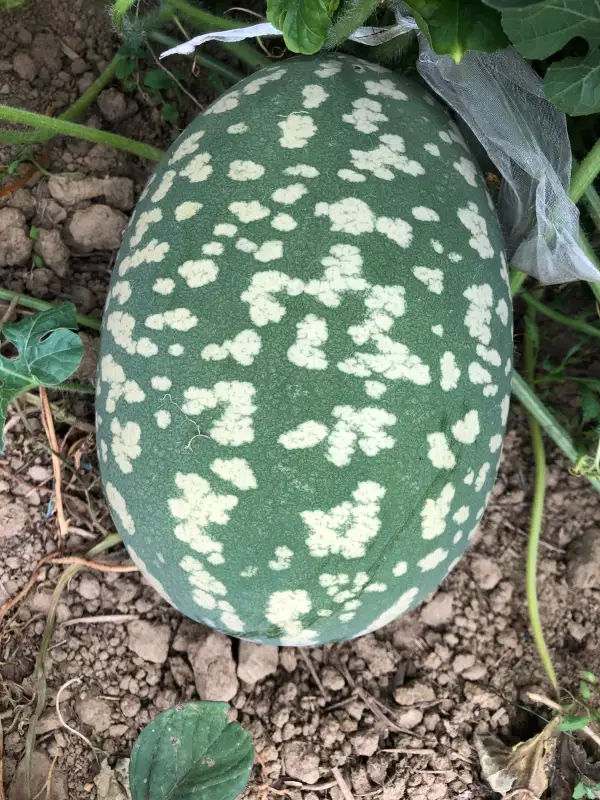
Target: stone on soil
438	611
256	661
98	227
95	712
486	573
15	244
149	641
213	666
301	762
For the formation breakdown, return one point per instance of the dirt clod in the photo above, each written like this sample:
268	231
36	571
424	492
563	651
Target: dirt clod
213	666
438	611
486	572
15	243
95	712
256	661
149	641
583	570
98	227
54	252
414	695
301	762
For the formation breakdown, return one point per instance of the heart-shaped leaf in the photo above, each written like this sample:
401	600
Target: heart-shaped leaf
191	752
304	23
48	353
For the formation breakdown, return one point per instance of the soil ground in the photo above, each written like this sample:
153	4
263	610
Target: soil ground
395	712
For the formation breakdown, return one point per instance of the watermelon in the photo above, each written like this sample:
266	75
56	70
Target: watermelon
306	353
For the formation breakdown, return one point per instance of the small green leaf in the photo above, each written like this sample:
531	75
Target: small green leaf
169	112
455	26
191	752
38	261
34	233
158	79
585	690
590	677
304	22
125	68
579	791
590	406
48	353
569	724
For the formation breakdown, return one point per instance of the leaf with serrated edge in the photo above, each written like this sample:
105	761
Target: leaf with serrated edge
191	752
573	84
48	353
304	23
455	26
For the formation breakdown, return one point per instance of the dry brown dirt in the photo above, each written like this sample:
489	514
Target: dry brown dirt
395	711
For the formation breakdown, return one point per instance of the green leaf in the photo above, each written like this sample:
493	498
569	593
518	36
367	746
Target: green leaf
585	690
569	724
158	79
455	26
590	405
119	9
169	112
34	233
125	68
191	752
48	353
304	22
38	261
573	84
579	791
590	677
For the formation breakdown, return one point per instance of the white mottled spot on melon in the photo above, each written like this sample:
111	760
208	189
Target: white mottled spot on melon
121	292
462	515
476	225
284	222
104	451
245	245
164	186
260	295
249	572
213	248
284	610
175	349
234	428
385	88
397	230
502	311
438	330
314	96
433	559
197	509
450	373
495	442
225	229
146	219
466	168
479	312
400	569
199	168
393	360
161	383
365	116
125	444
187	210
306	352
152	253
457	537
119	506
349	215
389	153
302	171
455	257
507	366
434	513
163	286
263	78
269	251
208	589
437	246
467	429
479	375
245	170
439	452
118	385
239	127
250	211
481	476
347	529
163	419
433	279
282	560
375	588
178	319
425	214
504	407
401	605
188	146
445	137
296	130
307	434
199	273
243	348
327	69
469	477
324	612
224	104
432	149
351	176
359	427
288	195
235	470
120	325
490	355
383	304
375	389
504	270
342	275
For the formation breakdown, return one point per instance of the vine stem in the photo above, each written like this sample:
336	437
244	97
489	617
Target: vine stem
576	324
349	20
537	509
42	305
584	174
60	127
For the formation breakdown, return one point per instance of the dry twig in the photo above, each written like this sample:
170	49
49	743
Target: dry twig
339	779
546	701
60	716
48	422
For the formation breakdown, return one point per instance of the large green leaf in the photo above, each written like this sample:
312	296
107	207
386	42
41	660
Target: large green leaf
191	752
48	353
540	29
304	22
455	26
